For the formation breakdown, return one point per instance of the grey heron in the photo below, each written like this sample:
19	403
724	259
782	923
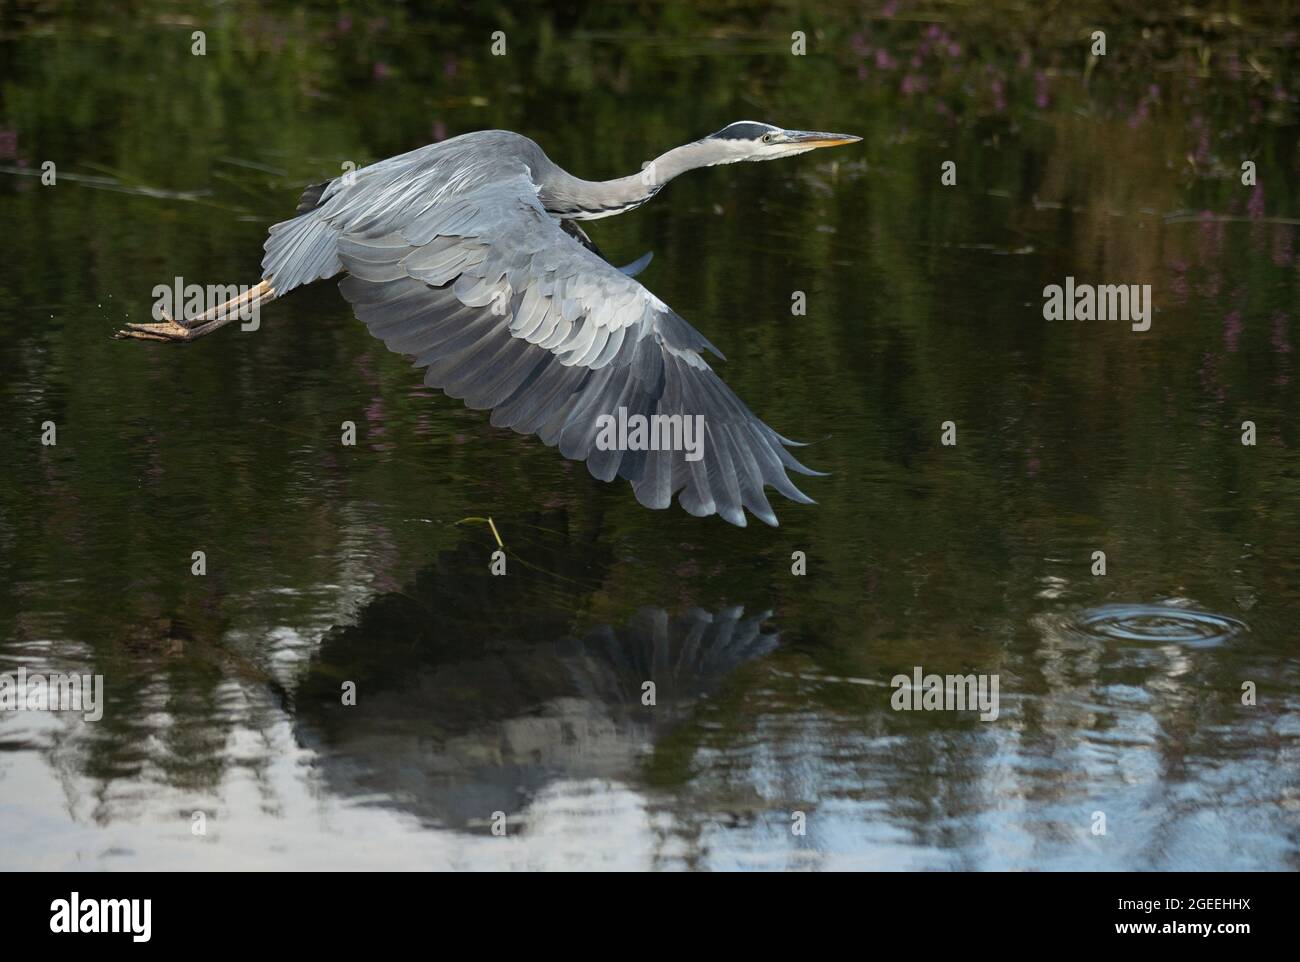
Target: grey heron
467	255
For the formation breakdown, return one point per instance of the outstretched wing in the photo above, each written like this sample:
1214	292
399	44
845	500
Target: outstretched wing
508	312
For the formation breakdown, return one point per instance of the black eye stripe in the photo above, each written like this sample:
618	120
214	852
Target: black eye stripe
743	130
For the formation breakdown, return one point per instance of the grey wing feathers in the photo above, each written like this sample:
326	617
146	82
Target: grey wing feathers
374	199
508	312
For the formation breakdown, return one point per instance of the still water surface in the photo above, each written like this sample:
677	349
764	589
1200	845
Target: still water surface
1119	693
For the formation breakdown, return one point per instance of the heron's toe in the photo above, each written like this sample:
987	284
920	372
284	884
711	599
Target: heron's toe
167	330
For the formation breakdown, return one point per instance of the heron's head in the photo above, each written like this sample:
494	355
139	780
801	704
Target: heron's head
750	140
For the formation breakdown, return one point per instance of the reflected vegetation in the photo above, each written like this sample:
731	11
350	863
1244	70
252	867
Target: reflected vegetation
325	563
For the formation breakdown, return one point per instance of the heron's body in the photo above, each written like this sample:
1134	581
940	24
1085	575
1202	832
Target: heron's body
465	255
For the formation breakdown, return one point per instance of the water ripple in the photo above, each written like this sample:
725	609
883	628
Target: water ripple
1158	624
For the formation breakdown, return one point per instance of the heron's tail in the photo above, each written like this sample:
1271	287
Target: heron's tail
300	251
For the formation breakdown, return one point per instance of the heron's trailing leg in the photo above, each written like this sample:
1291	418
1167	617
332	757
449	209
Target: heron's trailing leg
207	322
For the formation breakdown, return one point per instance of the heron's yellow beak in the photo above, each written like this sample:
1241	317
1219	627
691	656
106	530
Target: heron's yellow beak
819	138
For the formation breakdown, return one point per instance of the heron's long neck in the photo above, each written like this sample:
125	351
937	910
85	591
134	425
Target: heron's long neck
566	196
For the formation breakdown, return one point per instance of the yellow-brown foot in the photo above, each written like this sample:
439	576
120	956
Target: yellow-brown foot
165	330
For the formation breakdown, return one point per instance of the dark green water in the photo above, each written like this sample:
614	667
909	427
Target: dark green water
521	694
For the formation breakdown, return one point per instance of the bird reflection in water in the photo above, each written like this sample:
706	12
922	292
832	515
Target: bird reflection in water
473	693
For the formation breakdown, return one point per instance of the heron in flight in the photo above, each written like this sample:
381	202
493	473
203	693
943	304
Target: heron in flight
467	255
